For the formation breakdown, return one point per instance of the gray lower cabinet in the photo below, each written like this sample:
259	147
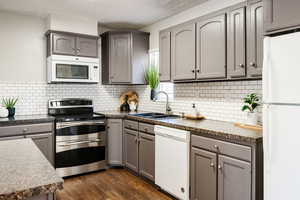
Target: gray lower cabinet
115	141
45	143
131	149
147	155
234	179
236	51
165	55
71	44
225	171
203	175
281	15
255	36
183	52
211	48
41	134
124	57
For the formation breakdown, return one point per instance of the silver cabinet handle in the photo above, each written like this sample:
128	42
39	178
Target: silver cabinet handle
216	146
253	64
212	164
241	65
25	130
220	167
193	71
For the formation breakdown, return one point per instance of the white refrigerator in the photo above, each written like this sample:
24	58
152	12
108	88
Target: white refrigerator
281	117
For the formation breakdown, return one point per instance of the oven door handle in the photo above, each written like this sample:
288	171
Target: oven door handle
70	124
80	142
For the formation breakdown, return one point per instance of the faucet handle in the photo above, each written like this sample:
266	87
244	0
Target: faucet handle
182	114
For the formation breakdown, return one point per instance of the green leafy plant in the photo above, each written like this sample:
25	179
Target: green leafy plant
152	77
251	102
9	102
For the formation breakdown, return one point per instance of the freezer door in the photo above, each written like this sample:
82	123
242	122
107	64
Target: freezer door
281	72
281	152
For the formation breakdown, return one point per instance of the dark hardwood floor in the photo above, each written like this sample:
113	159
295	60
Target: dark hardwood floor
112	184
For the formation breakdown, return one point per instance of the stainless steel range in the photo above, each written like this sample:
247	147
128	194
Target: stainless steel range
80	137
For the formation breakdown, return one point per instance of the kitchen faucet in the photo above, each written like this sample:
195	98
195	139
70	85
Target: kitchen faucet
168	108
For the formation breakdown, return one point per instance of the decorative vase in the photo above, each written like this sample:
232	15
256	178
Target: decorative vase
252	118
11	112
153	94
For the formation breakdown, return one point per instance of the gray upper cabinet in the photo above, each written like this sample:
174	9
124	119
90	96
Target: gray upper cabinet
237	42
183	52
234	179
63	44
45	143
203	175
87	47
165	56
71	44
281	15
255	36
147	155
115	141
124	57
131	149
120	58
211	48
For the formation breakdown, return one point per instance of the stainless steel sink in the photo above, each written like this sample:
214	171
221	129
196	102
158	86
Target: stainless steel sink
155	115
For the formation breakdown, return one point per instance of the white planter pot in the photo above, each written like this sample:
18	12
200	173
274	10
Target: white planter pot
3	112
252	118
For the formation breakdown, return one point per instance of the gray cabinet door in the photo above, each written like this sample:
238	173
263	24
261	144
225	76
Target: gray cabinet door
87	47
147	155
165	56
211	48
255	39
183	52
234	179
131	149
120	58
237	43
203	175
281	14
45	143
64	44
115	141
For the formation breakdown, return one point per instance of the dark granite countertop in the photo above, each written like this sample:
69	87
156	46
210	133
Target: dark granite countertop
25	119
24	171
210	128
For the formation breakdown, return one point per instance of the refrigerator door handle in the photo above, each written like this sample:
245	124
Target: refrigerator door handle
267	143
266	69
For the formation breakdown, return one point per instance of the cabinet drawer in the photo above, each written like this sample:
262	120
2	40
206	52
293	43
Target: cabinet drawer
226	148
131	125
146	128
25	129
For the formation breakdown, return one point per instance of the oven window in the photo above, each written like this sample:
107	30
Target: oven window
65	71
80	130
81	156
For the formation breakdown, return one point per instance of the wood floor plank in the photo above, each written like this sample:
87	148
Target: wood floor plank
112	184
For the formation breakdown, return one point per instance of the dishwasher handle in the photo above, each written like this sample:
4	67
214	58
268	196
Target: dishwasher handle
171	137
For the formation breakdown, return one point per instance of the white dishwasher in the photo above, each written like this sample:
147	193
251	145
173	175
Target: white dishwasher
172	161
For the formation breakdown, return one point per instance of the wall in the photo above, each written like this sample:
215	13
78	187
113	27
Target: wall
73	24
22	47
23	68
197	11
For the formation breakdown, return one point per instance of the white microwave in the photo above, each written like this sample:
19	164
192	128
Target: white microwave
72	69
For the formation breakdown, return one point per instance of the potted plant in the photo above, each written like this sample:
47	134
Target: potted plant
251	103
9	104
152	78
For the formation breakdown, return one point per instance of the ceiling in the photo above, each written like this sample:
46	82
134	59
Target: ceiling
113	13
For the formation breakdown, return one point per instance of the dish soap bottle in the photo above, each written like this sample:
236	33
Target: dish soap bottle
195	112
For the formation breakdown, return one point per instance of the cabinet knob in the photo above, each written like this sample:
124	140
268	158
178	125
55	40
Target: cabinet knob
25	130
198	70
241	65
219	167
216	146
146	130
253	64
212	164
182	190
